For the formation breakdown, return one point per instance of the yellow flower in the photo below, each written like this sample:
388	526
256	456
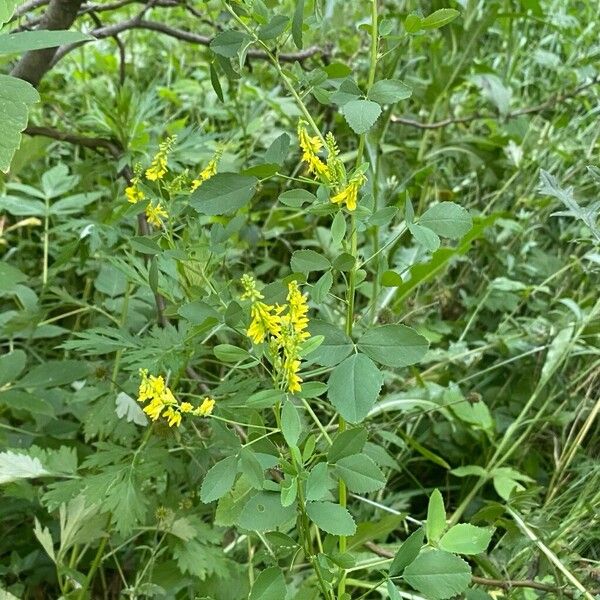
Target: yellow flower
154	409
173	417
205	408
150	386
250	292
186	407
311	146
265	320
155	214
349	194
134	194
291	379
297	311
209	171
158	166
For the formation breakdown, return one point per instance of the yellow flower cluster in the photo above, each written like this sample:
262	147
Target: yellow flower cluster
332	172
158	167
285	328
133	193
155	214
209	171
349	194
162	402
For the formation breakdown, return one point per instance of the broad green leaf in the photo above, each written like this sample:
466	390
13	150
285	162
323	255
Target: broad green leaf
11	365
274	28
360	473
15	466
228	43
264	512
22	207
305	261
425	236
321	288
7	9
216	84
223	194
354	386
251	468
289	491
129	409
219	479
438	575
318	482
269	585
388	91
439	18
278	150
16	98
466	539
24	41
347	92
16	399
447	219
291	427
296	198
436	517
335	347
408	551
393	345
231	354
297	22
265	399
346	443
392	591
361	114
54	373
331	518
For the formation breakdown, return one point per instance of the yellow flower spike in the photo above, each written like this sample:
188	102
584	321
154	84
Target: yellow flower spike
209	171
310	146
134	194
186	407
205	408
158	167
250	292
349	194
155	214
265	320
154	409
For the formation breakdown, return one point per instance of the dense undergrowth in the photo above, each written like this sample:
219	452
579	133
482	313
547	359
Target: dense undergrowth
309	310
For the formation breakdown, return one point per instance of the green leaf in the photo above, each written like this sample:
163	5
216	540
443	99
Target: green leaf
297	22
360	473
388	91
7	9
439	18
278	150
264	512
412	23
335	347
392	591
305	261
223	194
346	443
408	551
24	41
219	479
321	288
447	219
354	386
231	354
54	373
331	518
15	466
16	98
466	539
296	198
269	585
11	365
425	236
318	482
274	28
291	427
469	471
436	517
438	575
129	409
251	468
393	345
228	43
216	84
361	114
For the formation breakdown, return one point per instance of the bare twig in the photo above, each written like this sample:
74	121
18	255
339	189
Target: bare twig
181	34
549	103
93	143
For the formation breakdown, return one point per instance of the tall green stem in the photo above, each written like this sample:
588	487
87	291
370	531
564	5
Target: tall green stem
351	290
